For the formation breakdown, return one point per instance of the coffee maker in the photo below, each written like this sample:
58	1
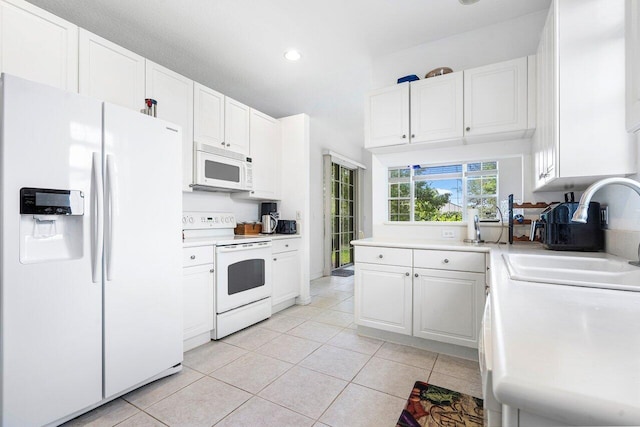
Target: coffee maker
269	216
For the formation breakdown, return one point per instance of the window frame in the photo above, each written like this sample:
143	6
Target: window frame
465	174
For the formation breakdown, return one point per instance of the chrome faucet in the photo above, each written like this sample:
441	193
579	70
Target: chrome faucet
582	213
476	226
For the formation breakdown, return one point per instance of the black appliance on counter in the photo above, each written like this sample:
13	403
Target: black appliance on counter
268	208
560	234
286	226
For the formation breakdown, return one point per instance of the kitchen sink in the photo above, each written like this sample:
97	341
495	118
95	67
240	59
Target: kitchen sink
591	270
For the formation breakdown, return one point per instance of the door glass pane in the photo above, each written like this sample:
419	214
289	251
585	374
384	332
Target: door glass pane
343	211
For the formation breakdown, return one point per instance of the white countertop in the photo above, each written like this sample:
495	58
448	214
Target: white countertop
230	240
443	245
564	352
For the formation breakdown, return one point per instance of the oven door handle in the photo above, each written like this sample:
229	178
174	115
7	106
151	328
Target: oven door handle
243	247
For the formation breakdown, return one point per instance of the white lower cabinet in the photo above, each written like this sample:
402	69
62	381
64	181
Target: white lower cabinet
444	302
383	297
198	295
286	271
446	305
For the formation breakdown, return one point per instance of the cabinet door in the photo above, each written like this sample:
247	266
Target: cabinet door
495	98
286	276
38	46
447	306
236	126
110	72
266	149
383	297
208	116
197	285
387	117
174	94
632	41
436	108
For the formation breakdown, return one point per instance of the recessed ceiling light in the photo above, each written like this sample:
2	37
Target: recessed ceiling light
468	2
292	55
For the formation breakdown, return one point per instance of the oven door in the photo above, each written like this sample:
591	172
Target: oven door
218	171
243	274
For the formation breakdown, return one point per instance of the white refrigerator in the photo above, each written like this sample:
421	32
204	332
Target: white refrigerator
90	254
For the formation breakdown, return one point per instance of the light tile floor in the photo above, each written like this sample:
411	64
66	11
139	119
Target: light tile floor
305	366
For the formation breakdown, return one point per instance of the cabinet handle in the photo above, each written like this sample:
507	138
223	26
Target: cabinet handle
275	259
446	261
416	275
380	256
222	143
413	136
407	274
211	271
192	257
468	129
286	246
404	136
228	145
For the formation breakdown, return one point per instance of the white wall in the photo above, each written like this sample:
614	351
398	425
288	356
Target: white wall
495	43
324	137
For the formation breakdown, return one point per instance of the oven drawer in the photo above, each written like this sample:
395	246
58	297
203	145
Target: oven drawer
285	245
197	255
385	256
449	260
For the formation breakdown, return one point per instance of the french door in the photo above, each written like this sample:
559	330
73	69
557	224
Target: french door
343	207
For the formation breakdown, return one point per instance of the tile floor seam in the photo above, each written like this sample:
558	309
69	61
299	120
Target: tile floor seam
164	424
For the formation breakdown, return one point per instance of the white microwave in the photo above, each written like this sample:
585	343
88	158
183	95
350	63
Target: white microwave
222	170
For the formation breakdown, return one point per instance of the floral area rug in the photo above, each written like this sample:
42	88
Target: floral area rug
433	406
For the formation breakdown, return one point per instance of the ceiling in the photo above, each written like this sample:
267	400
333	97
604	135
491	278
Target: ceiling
237	46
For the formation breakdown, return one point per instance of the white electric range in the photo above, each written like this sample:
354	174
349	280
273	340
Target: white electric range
242	264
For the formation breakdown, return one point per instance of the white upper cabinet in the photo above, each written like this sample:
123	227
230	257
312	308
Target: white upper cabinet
581	134
208	120
220	121
387	117
632	28
111	72
266	152
236	126
436	108
495	98
38	46
174	94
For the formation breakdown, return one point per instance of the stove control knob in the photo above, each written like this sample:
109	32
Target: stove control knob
191	219
184	219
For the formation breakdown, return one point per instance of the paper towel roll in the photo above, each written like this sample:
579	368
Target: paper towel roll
471	229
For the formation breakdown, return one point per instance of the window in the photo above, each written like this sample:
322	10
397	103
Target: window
441	192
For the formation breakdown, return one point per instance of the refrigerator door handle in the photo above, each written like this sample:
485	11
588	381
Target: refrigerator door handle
112	199
98	226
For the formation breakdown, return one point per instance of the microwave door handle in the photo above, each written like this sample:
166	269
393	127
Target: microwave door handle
98	226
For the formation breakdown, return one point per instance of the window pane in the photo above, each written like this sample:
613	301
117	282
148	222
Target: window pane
393	190
489	185
393	173
404	189
393	207
404	173
489	166
438	200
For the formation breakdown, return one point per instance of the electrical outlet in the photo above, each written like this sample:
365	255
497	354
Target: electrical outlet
448	234
298	216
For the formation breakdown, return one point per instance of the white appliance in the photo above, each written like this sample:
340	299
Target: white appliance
90	269
242	272
222	170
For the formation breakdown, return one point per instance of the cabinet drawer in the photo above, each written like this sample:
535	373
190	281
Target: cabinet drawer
285	245
449	260
381	255
197	256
